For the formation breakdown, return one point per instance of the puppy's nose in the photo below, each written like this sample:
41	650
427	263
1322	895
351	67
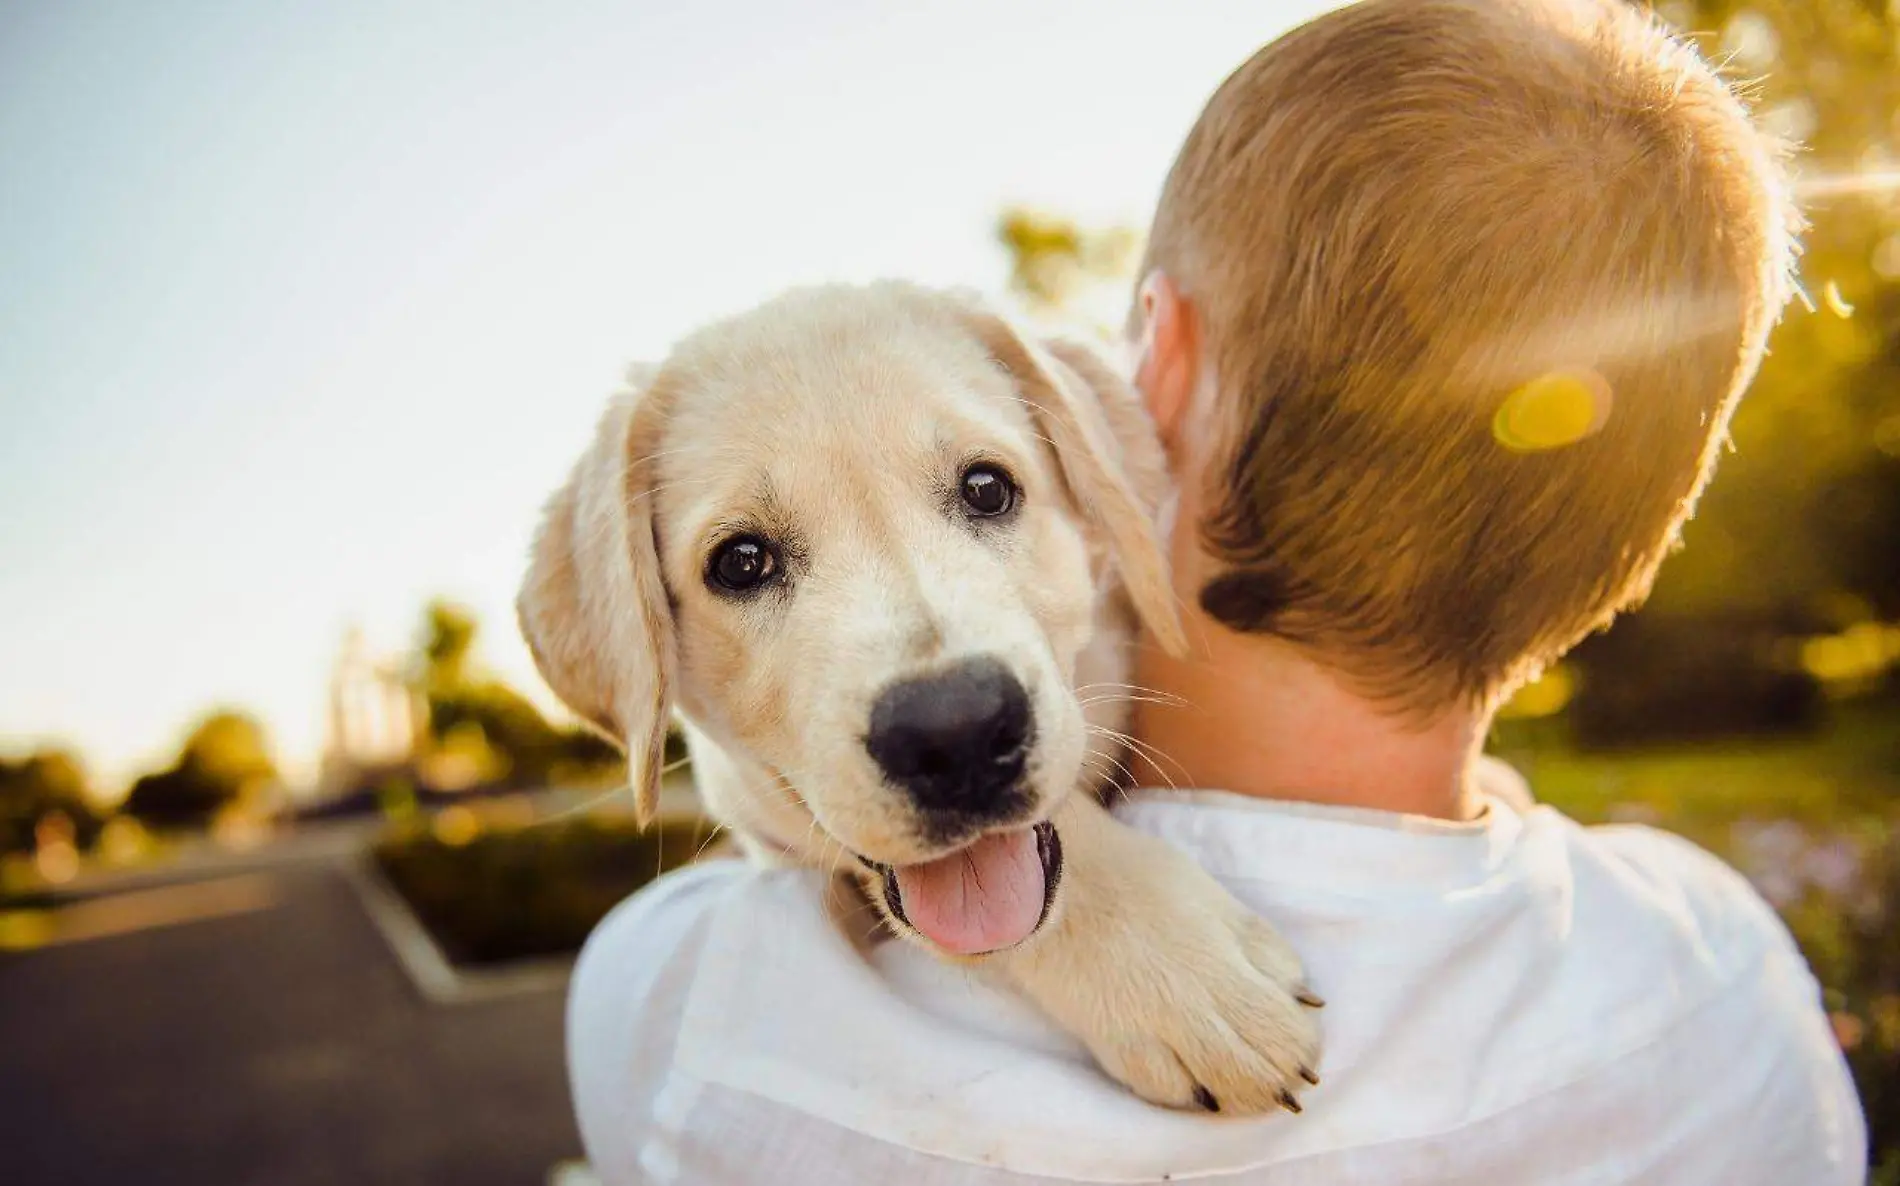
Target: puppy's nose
956	740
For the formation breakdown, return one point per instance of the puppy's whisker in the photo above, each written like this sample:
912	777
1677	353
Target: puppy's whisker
582	808
1155	756
662	487
1097	775
1115	762
831	851
1091	701
605	796
1129	745
1146	748
712	836
652	457
1036	411
1144	689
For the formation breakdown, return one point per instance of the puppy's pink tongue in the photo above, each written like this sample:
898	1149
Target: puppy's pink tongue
982	898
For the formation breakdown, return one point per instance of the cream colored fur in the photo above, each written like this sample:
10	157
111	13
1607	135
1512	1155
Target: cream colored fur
837	420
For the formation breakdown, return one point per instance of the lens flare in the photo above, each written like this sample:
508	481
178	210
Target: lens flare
1860	183
1835	302
1551	411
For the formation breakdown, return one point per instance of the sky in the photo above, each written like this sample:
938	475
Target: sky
306	308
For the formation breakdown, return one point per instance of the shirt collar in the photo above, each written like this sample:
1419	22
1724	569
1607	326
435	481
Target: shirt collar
1324	845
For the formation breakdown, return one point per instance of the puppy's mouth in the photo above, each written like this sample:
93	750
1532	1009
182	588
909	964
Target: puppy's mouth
988	895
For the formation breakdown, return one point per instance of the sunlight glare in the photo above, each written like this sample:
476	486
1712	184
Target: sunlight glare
1859	183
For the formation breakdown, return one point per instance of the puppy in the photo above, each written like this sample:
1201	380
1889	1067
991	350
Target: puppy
884	558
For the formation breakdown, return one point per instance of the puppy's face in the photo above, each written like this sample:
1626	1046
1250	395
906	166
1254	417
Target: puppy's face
860	536
879	583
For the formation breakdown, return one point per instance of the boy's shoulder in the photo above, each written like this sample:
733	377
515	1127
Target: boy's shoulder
1570	972
1675	875
629	996
646	949
1655	904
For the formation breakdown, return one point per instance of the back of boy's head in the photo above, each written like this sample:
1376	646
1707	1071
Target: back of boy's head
1415	232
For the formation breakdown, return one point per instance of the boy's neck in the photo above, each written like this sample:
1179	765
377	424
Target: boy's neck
1254	716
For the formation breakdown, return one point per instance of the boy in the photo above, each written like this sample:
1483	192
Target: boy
1445	310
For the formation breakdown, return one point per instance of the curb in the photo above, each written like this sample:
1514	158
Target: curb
435	977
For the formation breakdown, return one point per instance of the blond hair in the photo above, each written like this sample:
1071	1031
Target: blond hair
1395	217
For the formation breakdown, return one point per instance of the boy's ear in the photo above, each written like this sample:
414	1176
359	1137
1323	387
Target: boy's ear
1107	454
593	607
1167	367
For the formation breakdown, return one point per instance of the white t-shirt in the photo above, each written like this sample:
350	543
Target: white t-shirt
1518	1000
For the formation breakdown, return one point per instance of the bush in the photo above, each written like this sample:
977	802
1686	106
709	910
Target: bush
41	788
529	890
225	760
1657	679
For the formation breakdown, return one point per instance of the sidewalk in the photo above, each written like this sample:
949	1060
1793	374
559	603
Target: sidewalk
246	1017
277	1043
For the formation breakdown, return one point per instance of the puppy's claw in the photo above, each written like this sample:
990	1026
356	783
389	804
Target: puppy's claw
1289	1103
1308	997
1307	1074
1205	1099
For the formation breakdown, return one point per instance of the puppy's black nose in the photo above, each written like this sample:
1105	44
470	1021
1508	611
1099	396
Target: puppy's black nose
955	741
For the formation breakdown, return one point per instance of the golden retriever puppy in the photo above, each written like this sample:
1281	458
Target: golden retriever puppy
883	556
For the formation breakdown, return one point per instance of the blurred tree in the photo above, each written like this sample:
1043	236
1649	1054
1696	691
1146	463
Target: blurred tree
1800	534
1808	508
1058	266
225	760
38	787
482	731
448	635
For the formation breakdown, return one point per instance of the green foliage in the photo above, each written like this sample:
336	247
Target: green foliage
1056	264
1807	509
230	748
225	760
1801	529
37	789
448	636
533	890
1660	677
495	732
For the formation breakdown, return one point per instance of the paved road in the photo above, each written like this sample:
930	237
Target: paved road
278	1044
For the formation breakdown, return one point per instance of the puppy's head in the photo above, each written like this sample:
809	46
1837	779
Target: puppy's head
860	536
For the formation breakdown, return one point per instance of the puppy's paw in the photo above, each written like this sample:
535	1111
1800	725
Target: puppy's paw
1222	1021
1176	988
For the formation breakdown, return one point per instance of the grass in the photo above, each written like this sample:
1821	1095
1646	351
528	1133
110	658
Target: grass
1843	778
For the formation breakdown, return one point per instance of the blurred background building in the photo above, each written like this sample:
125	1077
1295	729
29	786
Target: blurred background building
375	716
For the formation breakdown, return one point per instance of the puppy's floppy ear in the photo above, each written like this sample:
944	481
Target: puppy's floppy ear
1108	454
593	607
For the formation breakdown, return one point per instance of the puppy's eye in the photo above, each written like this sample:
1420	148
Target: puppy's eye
742	564
988	491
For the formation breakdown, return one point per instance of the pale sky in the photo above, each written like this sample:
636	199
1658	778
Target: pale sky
305	308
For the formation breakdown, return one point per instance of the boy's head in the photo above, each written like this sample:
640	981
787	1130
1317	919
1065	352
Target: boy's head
1449	303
